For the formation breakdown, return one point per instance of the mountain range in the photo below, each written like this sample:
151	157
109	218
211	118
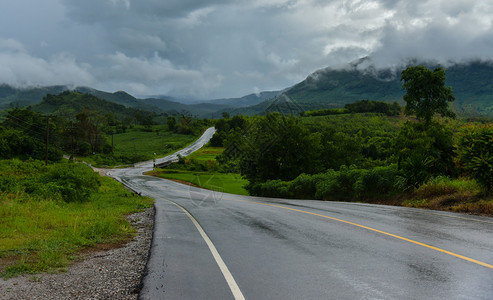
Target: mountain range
472	85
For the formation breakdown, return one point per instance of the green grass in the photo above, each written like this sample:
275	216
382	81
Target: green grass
147	143
206	154
222	182
41	234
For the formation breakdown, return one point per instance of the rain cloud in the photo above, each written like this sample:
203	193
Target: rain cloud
227	48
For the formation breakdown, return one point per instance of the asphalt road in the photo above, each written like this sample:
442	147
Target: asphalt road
262	248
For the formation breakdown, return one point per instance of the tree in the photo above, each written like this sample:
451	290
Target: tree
171	122
426	93
276	147
424	150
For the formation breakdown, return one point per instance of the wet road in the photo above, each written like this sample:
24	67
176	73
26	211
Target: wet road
260	248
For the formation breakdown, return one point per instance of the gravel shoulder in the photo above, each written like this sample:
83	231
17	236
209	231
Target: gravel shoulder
111	274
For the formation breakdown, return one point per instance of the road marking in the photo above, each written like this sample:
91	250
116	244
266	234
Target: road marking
379	231
235	289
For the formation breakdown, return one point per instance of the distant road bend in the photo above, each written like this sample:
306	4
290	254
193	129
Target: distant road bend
210	245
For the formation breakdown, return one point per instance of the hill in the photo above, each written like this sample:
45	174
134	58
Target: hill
68	104
11	96
472	85
248	100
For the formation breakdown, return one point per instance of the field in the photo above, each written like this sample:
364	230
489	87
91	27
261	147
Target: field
221	182
136	141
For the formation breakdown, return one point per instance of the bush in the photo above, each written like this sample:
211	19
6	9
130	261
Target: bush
74	182
339	185
475	154
442	185
380	181
271	188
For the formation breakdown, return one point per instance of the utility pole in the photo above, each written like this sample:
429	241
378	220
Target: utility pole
47	135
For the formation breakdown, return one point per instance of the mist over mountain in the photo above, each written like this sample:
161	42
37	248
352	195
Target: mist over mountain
472	85
471	82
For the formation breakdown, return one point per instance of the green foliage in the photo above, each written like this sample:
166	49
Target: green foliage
368	106
23	136
443	185
424	150
475	153
171	122
426	94
276	147
362	106
65	181
324	112
74	182
339	185
226	127
379	182
349	183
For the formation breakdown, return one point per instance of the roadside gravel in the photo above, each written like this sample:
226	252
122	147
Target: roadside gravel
111	274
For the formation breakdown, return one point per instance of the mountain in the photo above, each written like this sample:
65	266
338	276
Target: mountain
23	97
248	100
472	85
70	103
11	96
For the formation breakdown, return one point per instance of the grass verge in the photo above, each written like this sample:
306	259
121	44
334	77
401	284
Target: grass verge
41	234
458	195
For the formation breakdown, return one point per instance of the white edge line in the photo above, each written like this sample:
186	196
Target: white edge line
235	289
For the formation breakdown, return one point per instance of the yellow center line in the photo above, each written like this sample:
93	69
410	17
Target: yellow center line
379	231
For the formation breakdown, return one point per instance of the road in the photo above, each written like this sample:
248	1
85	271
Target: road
211	245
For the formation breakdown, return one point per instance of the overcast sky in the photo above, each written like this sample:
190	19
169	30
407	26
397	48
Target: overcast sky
226	48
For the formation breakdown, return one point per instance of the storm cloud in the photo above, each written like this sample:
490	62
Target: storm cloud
226	48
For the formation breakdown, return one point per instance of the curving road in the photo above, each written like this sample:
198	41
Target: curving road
211	245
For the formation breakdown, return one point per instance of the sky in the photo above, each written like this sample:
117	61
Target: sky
207	49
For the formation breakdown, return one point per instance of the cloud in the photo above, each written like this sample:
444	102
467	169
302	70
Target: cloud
19	68
225	48
155	73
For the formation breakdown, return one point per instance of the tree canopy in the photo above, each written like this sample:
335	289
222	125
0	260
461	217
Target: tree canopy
426	93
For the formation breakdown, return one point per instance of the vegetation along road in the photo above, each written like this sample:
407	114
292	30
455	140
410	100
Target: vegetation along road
211	245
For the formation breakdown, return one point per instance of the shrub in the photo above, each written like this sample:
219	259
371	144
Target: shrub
442	185
74	182
380	181
475	154
305	186
271	188
339	185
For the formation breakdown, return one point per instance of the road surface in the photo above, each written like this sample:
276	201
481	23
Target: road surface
211	245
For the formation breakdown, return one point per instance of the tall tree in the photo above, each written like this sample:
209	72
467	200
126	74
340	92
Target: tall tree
426	93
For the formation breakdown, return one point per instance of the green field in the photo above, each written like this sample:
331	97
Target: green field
221	182
206	154
136	141
138	145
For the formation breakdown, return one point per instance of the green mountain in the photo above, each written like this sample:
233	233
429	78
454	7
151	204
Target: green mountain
248	100
472	85
10	96
26	96
68	104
